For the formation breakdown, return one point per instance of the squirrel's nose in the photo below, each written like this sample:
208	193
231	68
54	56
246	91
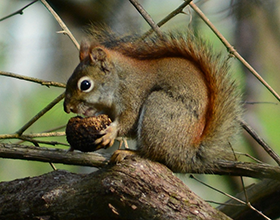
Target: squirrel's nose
67	104
67	108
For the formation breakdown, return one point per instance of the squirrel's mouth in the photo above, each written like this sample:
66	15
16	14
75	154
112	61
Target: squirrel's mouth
84	110
90	112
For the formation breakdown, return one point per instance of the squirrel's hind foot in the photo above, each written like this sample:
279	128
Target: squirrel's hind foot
120	155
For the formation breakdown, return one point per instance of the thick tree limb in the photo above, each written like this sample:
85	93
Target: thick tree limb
15	151
134	189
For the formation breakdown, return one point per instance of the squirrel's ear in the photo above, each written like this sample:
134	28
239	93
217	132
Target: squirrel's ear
84	50
99	57
97	54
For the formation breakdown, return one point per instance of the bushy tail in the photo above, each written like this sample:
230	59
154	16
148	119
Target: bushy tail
225	108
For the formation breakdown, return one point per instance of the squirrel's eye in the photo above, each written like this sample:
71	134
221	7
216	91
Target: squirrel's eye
85	84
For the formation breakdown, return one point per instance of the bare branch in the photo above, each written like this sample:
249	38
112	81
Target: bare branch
233	168
238	202
261	142
146	16
34	135
32	79
20	11
219	191
246	169
29	137
61	23
233	51
168	17
265	195
15	151
41	113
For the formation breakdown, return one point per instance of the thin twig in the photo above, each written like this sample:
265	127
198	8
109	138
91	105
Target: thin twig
225	204
245	192
259	212
168	17
174	13
65	29
232	197
47	134
41	113
217	190
24	138
253	103
20	11
53	166
252	158
52	143
32	79
261	142
233	51
247	198
54	129
146	16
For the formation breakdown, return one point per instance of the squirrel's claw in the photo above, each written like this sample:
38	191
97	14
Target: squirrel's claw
108	137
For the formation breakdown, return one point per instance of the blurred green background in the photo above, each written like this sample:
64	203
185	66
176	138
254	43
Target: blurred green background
31	46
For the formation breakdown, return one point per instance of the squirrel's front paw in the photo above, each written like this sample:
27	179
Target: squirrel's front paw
120	155
108	136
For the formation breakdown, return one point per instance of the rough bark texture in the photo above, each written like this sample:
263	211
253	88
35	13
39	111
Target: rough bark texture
133	189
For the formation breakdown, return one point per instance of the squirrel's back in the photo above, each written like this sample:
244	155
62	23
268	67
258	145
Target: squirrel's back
224	99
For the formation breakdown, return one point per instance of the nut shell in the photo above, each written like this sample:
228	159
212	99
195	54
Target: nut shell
82	132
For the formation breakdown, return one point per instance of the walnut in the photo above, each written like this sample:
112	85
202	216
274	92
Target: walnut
82	132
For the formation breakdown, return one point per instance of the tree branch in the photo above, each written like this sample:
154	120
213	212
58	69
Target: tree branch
261	142
41	113
234	168
256	170
134	189
168	17
146	16
65	29
32	79
265	196
20	11
233	51
15	151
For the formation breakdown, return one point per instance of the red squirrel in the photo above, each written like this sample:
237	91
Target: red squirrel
170	93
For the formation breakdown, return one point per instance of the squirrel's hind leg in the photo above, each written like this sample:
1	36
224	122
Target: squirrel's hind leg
165	130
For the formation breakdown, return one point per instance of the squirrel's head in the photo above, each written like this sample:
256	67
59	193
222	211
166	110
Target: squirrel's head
90	89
